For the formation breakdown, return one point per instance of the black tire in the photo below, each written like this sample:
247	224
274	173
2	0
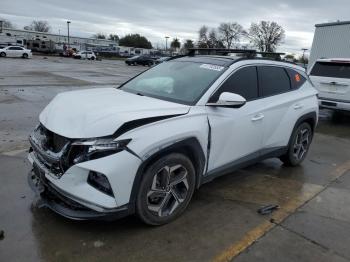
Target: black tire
25	55
92	58
161	200
150	63
299	145
2	54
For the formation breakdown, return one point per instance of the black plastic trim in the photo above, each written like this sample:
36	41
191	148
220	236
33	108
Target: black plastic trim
196	152
244	162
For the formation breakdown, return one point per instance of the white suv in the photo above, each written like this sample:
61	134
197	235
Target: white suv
146	146
331	78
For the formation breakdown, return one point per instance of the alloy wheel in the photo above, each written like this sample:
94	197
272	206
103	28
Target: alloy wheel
301	143
168	190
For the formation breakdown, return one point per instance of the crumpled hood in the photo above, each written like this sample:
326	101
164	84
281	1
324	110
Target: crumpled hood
101	111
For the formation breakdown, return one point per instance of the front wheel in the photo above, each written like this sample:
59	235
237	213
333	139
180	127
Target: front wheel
25	56
299	145
166	189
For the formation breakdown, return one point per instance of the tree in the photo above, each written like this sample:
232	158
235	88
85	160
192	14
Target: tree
6	23
135	40
100	36
266	35
39	26
188	44
290	57
113	37
203	37
175	44
230	33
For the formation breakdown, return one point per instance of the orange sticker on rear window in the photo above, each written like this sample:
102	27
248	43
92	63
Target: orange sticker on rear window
297	78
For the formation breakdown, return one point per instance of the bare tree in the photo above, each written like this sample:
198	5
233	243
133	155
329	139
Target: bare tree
175	44
203	37
6	23
100	36
39	26
266	35
188	44
230	33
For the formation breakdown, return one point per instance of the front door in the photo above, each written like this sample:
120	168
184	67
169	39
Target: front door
236	133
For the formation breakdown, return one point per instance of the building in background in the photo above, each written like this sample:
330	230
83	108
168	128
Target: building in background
331	40
41	41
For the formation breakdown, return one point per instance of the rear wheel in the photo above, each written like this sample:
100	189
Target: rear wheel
25	55
2	54
166	189
299	145
92	58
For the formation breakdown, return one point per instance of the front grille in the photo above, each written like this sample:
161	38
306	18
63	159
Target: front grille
50	149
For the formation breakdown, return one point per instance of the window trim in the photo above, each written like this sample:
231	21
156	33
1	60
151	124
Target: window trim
257	75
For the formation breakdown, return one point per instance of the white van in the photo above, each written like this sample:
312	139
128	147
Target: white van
331	77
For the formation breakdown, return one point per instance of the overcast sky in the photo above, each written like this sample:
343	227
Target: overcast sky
182	18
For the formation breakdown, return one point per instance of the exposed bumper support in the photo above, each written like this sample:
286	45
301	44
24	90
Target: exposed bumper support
51	198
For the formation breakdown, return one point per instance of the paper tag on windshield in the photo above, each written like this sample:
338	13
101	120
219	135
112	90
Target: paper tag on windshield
212	67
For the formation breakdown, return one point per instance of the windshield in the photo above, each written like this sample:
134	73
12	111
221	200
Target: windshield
181	82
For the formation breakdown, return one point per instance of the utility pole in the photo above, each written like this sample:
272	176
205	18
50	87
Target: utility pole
166	43
59	35
68	22
1	25
304	50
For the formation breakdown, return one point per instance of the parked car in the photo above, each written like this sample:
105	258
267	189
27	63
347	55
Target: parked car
331	77
15	51
161	59
146	146
144	60
85	55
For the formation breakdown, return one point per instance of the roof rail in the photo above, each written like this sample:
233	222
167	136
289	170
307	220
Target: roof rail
246	53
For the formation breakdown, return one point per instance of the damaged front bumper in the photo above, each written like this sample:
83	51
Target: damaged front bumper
53	198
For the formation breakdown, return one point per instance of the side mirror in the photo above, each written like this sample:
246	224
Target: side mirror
227	99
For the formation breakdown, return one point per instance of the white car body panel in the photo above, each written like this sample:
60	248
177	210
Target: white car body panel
101	112
234	134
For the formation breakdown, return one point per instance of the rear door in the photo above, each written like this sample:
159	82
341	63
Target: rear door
282	104
332	79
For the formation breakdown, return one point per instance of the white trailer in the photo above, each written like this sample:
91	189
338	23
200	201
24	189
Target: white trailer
331	40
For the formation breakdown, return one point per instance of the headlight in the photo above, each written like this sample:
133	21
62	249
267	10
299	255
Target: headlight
92	149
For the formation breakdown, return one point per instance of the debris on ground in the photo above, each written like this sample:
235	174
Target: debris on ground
98	244
2	234
265	210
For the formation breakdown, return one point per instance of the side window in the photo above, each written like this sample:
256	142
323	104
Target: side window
12	48
244	82
273	80
296	79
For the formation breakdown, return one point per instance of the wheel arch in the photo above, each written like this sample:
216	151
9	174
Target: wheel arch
189	147
310	118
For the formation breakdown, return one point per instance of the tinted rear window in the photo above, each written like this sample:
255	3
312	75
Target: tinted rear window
273	80
331	69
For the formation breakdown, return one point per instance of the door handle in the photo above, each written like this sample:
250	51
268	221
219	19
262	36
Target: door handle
258	117
297	106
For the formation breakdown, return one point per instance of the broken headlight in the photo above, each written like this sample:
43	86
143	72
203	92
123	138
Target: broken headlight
93	149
